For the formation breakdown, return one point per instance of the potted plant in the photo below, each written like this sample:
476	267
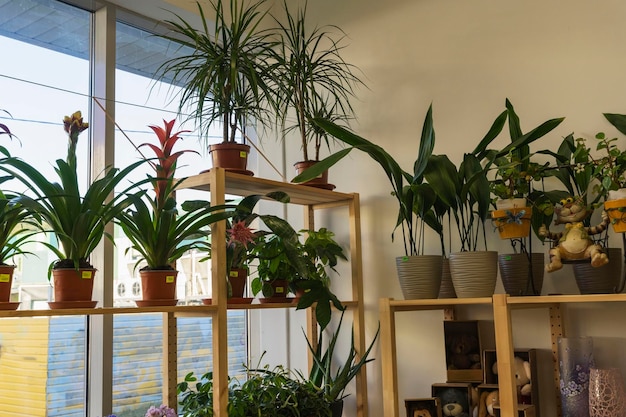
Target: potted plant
311	80
225	76
242	239
157	230
288	265
266	392
609	170
418	204
17	230
76	219
518	205
333	377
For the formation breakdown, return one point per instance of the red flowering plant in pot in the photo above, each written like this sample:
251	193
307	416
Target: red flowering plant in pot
242	239
76	219
157	229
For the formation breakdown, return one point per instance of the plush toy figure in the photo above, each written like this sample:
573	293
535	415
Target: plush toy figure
474	401
454	403
421	413
574	242
487	400
463	352
522	376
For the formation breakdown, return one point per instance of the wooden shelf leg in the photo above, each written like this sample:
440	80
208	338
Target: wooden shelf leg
504	352
556	331
170	356
388	359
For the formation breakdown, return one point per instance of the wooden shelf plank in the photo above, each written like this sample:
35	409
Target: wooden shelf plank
546	300
436	303
180	311
242	185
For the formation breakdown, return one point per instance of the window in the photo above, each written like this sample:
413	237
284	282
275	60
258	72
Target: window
52	35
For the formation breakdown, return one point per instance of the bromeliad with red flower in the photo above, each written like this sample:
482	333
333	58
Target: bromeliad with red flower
158	229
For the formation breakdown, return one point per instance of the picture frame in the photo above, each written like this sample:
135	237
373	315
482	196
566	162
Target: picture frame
423	407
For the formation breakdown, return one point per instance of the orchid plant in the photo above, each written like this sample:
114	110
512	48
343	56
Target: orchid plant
155	227
161	411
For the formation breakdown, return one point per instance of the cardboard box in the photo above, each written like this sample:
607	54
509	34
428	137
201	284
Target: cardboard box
523	410
463	351
483	390
530	355
423	407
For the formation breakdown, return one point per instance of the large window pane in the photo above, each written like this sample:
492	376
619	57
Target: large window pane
44	76
137	338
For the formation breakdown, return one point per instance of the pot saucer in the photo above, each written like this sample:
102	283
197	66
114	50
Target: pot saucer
7	305
273	300
156	303
71	304
232	300
322	186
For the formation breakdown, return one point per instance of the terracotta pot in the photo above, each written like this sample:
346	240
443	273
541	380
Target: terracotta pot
158	285
237	278
72	285
616	210
6	280
230	156
319	182
281	289
512	223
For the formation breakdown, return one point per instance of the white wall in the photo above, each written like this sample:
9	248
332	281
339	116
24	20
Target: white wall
551	58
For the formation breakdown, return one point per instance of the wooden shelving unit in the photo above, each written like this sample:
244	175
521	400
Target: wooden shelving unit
221	183
502	305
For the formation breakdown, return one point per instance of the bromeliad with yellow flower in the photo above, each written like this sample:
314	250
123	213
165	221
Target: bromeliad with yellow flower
77	220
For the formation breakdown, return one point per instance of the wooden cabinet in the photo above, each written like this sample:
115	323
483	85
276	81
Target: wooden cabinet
502	305
221	183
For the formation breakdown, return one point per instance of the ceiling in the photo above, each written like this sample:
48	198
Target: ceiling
64	28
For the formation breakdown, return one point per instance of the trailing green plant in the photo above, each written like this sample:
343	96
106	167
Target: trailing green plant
311	79
325	374
418	203
303	265
77	220
225	76
267	392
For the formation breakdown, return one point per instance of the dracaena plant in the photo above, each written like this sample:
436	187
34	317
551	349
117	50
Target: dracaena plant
76	219
156	228
311	79
225	74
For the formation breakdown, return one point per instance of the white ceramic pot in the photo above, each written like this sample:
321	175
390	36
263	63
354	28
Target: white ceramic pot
509	203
